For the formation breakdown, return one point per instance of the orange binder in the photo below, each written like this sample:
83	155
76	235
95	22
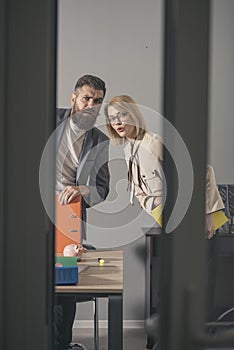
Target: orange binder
67	224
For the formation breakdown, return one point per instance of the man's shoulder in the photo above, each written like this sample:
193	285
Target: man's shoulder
99	134
62	114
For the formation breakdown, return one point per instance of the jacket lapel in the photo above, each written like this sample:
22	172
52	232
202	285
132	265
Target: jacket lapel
62	117
87	146
61	122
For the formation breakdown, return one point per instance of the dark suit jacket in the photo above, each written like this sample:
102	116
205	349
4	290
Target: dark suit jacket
93	169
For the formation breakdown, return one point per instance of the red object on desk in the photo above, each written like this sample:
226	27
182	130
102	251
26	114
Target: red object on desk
67	223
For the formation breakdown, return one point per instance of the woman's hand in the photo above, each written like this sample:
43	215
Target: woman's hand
157	201
210	227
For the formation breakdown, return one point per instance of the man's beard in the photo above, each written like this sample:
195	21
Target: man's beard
85	119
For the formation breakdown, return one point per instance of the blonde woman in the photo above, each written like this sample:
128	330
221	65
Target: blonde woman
143	151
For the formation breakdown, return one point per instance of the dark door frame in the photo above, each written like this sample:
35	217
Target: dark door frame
27	105
185	106
184	275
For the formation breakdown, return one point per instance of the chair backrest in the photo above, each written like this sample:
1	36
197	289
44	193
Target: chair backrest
227	194
221	262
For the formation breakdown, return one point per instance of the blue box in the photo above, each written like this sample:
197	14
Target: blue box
66	275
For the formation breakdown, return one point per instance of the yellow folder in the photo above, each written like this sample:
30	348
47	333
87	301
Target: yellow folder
157	214
219	217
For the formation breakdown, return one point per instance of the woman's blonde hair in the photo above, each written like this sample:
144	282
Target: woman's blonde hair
125	103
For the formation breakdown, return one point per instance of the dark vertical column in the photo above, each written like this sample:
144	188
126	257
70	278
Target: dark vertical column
185	106
2	159
27	93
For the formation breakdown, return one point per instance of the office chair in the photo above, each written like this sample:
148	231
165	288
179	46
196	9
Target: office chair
227	194
221	307
95	310
221	273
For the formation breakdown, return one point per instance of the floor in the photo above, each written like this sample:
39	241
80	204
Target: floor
134	339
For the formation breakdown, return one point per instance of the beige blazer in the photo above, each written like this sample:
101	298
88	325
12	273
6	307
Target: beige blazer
148	153
213	199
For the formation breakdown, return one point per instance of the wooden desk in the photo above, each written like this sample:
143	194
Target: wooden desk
104	282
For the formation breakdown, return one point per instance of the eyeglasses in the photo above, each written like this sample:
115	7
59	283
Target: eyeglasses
120	117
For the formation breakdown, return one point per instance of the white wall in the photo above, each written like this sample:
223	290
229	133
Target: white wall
118	40
222	90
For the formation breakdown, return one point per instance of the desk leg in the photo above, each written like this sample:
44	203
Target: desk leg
115	322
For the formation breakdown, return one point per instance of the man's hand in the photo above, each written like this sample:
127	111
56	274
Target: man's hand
210	227
71	192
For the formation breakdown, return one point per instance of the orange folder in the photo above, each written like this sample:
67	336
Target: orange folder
67	224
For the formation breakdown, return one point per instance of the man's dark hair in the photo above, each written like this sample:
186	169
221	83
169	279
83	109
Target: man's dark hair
92	81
